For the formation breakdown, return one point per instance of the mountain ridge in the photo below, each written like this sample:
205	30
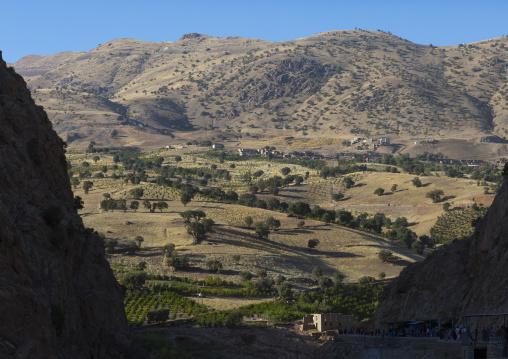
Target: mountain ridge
339	83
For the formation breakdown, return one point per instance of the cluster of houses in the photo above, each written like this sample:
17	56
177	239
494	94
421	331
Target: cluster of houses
265	152
370	143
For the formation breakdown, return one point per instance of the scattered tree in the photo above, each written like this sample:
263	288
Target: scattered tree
134	205
139	240
348	182
313	243
285	290
168	250
137	192
186	196
133	280
416	182
261	230
285	171
87	185
248	221
214	266
337	196
435	195
379	191
78	203
317	273
385	255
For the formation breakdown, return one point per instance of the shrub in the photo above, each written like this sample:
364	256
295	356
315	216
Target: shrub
313	243
248	221
317	273
262	230
157	316
214	266
168	250
234	318
435	195
245	275
416	182
261	273
110	244
325	282
385	255
132	247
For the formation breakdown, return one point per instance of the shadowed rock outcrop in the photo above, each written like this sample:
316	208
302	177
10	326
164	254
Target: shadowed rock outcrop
466	277
58	296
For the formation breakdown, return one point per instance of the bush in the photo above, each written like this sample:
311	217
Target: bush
157	316
214	266
133	280
313	243
262	230
261	273
325	282
366	280
379	191
236	258
177	262
435	195
110	244
385	255
138	240
234	318
416	182
337	196
245	275
248	221
132	247
168	250
317	273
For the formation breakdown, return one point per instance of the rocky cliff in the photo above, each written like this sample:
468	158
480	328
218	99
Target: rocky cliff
58	296
467	277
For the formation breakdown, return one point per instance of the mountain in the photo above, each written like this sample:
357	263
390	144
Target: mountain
466	277
334	84
58	296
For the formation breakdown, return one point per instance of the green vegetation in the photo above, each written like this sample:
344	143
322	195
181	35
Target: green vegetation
456	224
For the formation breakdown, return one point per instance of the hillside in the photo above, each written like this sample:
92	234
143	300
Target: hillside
59	297
335	84
466	277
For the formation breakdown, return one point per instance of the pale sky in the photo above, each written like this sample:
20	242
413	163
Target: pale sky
30	27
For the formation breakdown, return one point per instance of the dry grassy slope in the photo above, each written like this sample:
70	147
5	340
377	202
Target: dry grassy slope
352	252
407	201
331	84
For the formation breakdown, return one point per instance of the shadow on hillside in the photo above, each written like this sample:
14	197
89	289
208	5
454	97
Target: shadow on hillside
447	198
333	254
400	262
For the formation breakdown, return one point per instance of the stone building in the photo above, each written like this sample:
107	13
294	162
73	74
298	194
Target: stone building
327	321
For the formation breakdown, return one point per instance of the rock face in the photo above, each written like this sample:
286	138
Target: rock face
58	296
467	277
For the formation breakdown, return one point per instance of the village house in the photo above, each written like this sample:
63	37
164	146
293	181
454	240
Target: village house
327	321
245	152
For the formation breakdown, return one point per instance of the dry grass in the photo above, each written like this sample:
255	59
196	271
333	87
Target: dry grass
407	200
353	253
